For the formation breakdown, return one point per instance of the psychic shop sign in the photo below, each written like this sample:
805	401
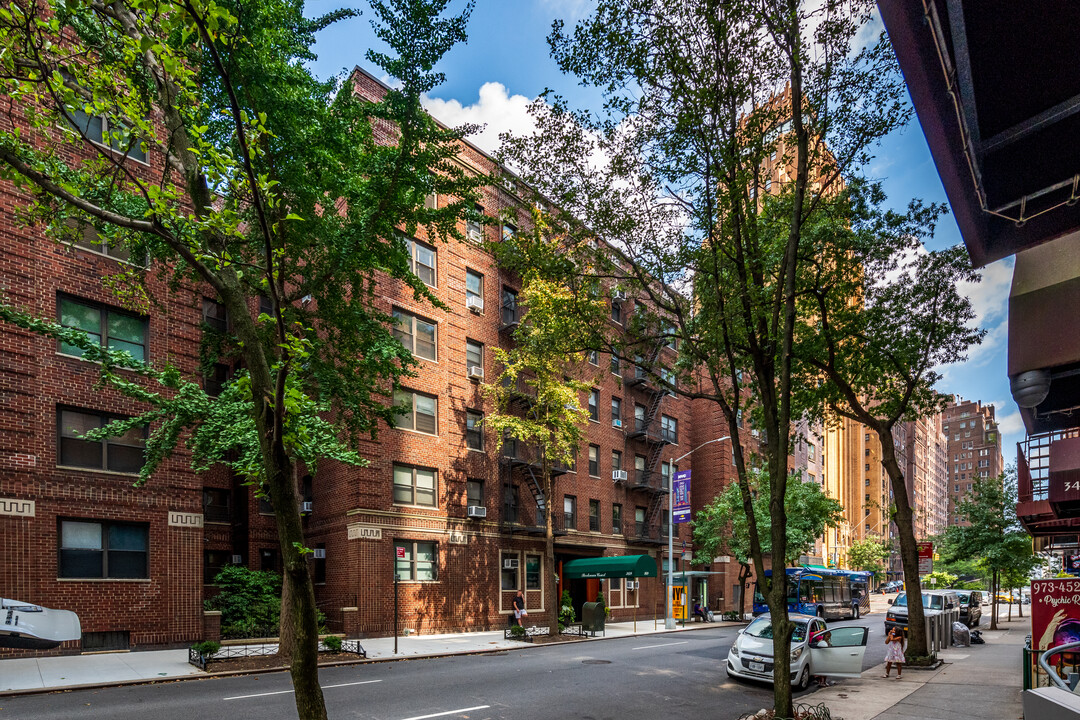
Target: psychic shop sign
1055	612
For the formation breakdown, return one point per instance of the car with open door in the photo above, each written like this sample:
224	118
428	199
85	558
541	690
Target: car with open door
751	655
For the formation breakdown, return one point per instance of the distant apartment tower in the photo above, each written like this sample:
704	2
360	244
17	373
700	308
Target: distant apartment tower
808	459
973	449
925	474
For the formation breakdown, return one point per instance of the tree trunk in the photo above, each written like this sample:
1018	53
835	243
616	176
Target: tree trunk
744	576
993	600
1020	605
549	541
909	550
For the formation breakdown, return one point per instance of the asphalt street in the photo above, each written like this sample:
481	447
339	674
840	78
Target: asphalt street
680	675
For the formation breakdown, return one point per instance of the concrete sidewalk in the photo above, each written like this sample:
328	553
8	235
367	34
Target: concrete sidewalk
982	681
105	669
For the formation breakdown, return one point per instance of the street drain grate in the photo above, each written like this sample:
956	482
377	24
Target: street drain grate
595	662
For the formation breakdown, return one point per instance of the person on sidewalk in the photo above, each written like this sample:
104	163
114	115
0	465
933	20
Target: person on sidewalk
895	645
519	608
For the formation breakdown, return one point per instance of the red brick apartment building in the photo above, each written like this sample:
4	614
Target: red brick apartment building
437	506
974	448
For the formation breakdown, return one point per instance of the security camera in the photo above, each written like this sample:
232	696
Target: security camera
1030	388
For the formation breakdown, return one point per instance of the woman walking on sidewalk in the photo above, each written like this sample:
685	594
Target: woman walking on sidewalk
895	644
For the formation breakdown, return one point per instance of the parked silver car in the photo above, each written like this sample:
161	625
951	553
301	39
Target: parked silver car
751	656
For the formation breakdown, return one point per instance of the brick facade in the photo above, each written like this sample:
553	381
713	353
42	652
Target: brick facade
354	517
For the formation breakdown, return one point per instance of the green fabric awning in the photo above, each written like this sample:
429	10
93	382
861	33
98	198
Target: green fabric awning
621	566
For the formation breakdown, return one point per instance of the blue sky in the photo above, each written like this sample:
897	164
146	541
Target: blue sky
506	63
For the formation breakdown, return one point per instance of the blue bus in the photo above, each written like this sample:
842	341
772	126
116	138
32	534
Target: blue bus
827	593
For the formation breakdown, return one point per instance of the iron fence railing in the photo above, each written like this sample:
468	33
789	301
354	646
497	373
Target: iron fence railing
230	652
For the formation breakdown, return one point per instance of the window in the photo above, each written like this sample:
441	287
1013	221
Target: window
418	562
84	236
123	453
594	460
532	572
415	333
509	306
593	357
665	475
594	516
616	460
216	505
422	260
639	520
639	469
810	450
421	412
867	482
866	452
215	315
213	561
214	382
474	229
100	130
616	519
669	428
474	289
594	405
474	430
616	412
474	354
509	577
511	502
616	312
508	231
812	477
639	418
867	467
474	492
614	364
866	437
107	327
414	485
570	512
99	549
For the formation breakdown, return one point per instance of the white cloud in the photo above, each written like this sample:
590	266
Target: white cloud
990	298
1011	424
495	109
570	10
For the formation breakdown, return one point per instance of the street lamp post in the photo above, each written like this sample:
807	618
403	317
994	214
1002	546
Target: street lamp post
669	619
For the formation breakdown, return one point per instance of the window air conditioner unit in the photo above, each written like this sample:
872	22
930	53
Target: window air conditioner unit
510	563
618	295
631	584
477	511
616	422
475	304
307	506
319	553
476	372
475	234
618	475
237	559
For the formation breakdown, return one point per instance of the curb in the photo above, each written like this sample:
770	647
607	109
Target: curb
338	663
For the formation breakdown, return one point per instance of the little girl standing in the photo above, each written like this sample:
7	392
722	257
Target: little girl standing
895	644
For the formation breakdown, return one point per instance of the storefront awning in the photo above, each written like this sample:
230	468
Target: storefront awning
622	566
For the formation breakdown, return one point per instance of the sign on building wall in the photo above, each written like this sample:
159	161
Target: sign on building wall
1055	620
18	508
364	532
680	493
185	520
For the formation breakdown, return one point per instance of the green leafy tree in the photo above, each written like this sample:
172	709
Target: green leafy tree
880	314
868	554
263	186
939	579
722	526
994	536
705	102
538	368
